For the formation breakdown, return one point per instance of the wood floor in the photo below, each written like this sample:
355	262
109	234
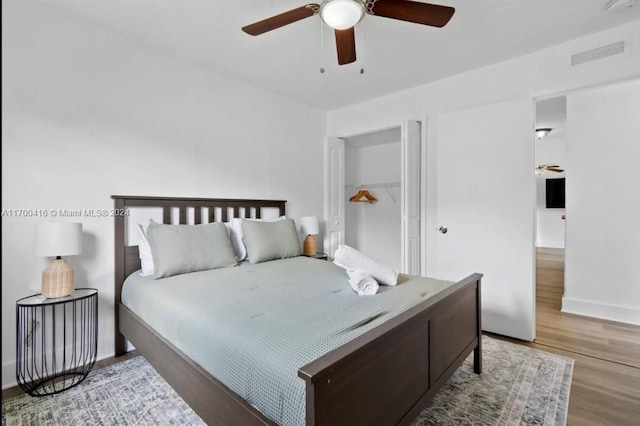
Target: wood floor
605	390
606	378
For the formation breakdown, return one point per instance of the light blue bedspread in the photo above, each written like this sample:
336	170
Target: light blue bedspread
253	326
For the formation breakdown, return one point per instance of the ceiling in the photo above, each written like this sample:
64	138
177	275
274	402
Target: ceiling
392	55
552	113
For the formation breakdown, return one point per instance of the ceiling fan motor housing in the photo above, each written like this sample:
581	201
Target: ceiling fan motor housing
343	15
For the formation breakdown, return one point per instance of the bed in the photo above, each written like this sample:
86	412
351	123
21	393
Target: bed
383	374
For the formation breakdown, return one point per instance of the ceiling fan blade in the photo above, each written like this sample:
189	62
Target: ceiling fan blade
420	13
346	45
282	19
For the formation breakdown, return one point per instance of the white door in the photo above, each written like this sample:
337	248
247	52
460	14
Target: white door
485	209
334	212
410	200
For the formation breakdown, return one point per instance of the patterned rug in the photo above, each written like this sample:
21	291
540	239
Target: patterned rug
519	386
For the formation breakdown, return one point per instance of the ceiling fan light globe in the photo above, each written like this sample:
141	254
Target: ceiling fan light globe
342	14
541	133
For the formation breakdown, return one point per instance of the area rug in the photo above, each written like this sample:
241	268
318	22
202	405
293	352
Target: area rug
519	386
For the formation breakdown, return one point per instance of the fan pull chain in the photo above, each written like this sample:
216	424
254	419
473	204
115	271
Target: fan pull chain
321	44
362	48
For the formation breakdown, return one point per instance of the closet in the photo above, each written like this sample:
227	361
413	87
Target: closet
372	194
373	221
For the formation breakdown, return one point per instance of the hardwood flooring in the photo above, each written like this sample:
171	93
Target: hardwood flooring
606	378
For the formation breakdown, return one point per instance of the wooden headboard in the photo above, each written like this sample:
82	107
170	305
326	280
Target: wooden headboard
205	210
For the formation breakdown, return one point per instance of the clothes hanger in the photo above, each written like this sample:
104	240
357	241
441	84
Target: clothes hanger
355	197
363	196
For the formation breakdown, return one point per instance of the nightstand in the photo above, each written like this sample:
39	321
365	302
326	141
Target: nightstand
321	256
57	341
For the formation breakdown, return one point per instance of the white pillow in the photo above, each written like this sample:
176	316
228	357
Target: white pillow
144	249
237	235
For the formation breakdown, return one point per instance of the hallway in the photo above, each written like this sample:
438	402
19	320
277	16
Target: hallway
606	378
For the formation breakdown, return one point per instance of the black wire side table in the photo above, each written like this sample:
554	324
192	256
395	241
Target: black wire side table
57	341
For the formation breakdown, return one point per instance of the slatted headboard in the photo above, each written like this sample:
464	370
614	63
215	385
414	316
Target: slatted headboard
203	210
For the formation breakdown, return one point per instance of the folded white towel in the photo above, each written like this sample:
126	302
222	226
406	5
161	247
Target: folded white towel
363	284
351	259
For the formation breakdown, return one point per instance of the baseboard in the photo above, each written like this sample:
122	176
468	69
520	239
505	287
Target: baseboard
601	310
9	370
550	244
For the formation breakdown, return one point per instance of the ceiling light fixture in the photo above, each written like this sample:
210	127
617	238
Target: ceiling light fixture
342	14
542	132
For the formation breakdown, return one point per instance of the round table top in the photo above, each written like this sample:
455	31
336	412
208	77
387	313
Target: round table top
39	299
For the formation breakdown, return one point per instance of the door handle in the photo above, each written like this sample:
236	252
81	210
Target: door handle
443	229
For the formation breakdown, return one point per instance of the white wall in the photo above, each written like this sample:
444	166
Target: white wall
550	224
375	229
88	113
543	73
602	258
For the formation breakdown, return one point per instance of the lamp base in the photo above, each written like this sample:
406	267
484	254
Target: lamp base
309	246
57	279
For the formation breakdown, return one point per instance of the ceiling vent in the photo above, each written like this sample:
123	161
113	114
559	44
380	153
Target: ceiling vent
598	53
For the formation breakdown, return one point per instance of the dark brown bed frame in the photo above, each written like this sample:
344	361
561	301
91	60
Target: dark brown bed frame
386	376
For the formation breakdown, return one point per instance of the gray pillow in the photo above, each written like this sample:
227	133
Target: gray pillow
270	240
178	249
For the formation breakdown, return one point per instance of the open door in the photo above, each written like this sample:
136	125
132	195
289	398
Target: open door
334	198
410	157
485	209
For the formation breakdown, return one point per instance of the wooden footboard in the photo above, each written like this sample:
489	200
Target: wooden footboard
388	375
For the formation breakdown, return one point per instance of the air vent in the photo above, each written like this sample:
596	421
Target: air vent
598	53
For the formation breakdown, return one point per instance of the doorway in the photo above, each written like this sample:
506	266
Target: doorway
551	175
373	226
585	303
386	162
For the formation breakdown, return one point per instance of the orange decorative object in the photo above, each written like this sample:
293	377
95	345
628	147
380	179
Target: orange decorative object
309	246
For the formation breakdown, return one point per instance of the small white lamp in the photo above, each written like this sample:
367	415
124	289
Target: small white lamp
310	227
58	239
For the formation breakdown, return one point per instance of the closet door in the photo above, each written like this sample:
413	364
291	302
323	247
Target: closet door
410	157
334	198
485	208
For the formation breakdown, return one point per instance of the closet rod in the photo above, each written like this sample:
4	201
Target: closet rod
375	185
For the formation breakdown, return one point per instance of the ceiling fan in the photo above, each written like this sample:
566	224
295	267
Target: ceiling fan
343	15
548	167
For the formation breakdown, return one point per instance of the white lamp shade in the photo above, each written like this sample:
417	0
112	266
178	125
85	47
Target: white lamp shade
342	14
310	225
58	239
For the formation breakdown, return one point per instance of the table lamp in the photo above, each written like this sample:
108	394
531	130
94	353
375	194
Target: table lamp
310	227
57	239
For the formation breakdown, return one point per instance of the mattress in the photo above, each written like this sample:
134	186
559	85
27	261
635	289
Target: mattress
254	325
